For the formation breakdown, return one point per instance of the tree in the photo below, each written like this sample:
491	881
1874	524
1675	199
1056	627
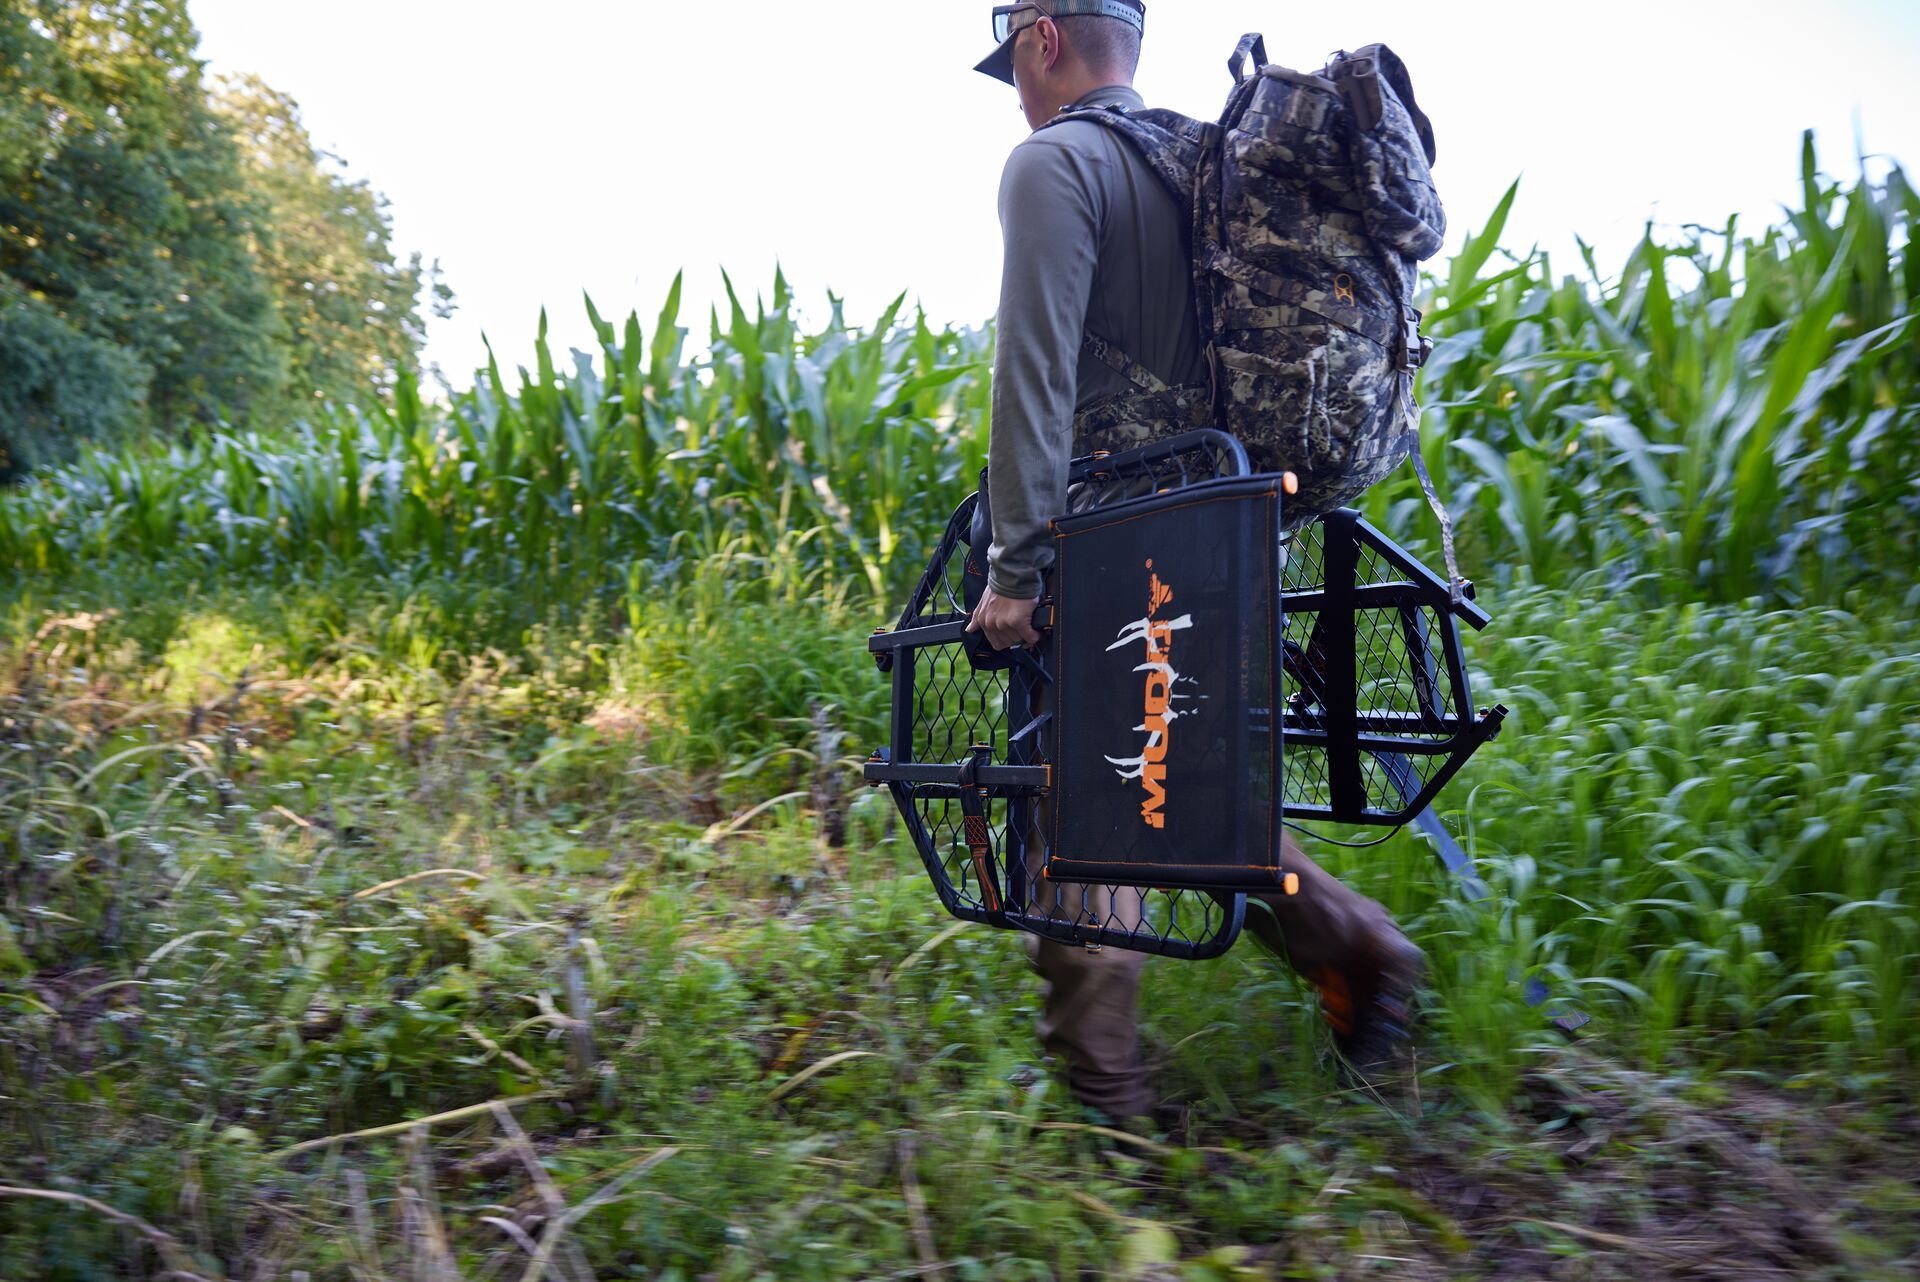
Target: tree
26	84
52	374
131	289
170	254
350	310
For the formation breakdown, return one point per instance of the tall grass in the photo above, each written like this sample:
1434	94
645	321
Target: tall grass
1729	415
1706	821
281	865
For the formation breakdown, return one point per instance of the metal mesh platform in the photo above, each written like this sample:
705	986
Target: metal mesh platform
968	760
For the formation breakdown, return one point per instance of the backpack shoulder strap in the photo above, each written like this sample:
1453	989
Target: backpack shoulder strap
1174	146
1124	365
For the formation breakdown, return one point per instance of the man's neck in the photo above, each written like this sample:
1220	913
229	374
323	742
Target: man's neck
1084	86
1111	91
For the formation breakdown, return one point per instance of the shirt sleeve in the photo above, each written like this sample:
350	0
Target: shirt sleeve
1050	224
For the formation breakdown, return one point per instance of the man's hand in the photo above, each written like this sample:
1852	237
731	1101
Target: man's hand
1006	621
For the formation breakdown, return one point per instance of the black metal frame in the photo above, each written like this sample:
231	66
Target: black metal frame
1379	723
970	811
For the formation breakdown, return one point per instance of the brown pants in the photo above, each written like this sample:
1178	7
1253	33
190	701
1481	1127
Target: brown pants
1090	1014
1090	998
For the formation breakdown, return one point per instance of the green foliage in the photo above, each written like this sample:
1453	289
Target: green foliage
127	226
1730	416
351	312
164	263
826	445
61	383
1708	814
26	83
699	662
283	861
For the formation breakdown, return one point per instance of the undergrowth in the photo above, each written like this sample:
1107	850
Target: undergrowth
284	865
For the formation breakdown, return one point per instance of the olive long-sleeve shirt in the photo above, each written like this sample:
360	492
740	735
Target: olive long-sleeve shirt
1094	243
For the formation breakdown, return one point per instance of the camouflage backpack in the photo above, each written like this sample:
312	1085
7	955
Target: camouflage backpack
1311	204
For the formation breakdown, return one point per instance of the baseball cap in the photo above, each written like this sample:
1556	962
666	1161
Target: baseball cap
999	63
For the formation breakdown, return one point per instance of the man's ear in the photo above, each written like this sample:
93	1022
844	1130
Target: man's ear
1049	33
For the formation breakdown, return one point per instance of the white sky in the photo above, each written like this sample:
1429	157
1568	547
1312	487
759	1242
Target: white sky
541	149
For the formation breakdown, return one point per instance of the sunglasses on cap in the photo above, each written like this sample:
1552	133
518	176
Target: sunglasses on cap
1008	18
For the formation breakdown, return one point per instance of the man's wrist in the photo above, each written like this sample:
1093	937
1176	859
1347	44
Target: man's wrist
1013	589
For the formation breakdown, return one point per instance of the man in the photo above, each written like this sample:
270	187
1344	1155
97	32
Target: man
1094	245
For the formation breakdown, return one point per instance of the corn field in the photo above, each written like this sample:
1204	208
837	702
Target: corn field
1730	415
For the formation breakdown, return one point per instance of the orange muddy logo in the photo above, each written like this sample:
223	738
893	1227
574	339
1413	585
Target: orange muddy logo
1155	632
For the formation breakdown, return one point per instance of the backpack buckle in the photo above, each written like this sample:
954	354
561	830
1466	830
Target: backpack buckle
1415	347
